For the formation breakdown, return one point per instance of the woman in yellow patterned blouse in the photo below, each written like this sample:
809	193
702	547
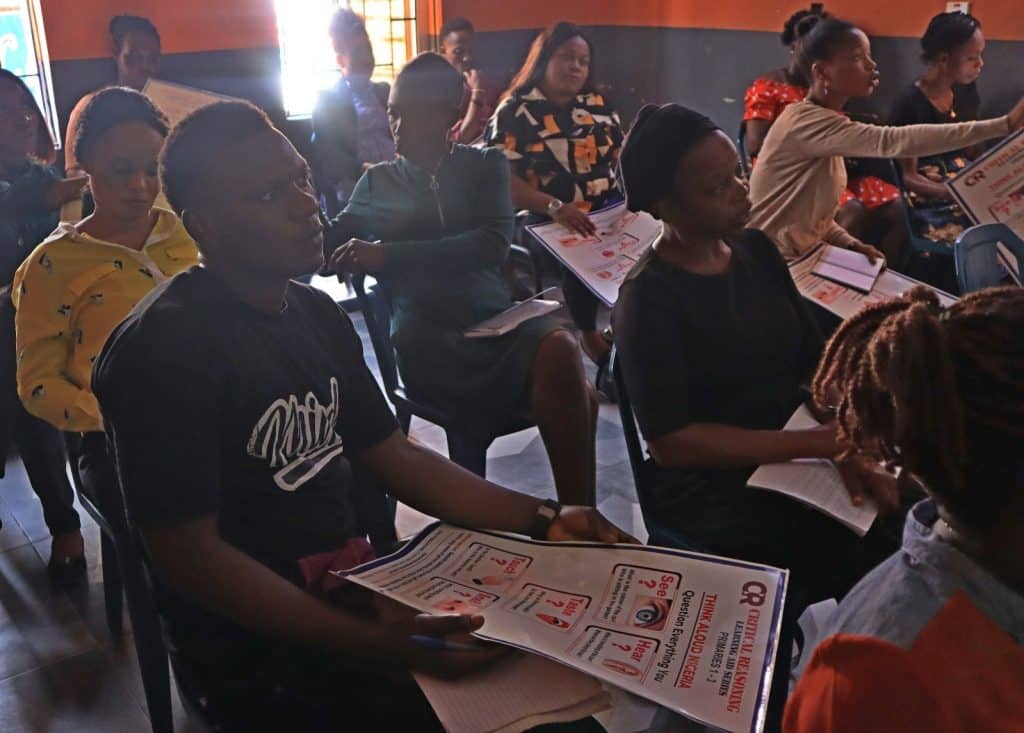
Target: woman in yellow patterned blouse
84	279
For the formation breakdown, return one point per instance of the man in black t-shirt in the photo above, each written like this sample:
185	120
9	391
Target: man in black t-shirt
236	400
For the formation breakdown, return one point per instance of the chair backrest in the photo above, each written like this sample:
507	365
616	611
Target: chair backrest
634	443
376	309
978	262
136	582
643	469
741	147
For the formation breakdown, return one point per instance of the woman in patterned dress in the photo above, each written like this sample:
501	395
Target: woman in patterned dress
563	142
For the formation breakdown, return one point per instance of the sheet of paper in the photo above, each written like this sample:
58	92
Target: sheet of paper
844	301
816	483
516	694
991	189
178	101
510	319
847	267
602	260
695	633
627	714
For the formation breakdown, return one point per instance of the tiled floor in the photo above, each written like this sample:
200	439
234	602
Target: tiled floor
61	672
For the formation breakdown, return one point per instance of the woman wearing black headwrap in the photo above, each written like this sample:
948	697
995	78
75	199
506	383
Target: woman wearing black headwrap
715	341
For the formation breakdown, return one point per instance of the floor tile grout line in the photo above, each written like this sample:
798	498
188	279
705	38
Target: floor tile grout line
51	663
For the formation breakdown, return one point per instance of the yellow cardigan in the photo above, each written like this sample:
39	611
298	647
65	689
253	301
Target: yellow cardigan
70	293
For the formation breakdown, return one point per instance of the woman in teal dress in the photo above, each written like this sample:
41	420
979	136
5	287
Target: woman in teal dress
434	225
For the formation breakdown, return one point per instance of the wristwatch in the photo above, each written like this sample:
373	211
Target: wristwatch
554	205
546	515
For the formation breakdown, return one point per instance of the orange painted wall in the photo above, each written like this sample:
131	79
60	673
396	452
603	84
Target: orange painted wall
1002	19
77	29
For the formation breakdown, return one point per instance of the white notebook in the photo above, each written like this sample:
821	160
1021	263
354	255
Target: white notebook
815	482
848	268
511	318
516	694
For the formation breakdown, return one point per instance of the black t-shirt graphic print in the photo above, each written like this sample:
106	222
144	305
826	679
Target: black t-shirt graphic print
216	408
298	437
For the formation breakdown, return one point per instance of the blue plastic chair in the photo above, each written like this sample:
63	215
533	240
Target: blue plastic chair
978	265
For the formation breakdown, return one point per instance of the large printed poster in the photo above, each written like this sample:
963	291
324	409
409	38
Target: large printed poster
991	190
695	633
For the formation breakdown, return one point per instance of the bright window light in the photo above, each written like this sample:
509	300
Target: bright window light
307	57
23	52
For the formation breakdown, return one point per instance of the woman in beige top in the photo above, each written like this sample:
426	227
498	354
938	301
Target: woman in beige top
800	174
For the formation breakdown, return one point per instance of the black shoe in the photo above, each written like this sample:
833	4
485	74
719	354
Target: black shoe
66	572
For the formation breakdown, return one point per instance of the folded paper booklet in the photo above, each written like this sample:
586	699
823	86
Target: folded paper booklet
510	319
849	268
815	482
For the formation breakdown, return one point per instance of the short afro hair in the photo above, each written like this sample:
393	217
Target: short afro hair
429	80
454	25
110	107
194	142
122	25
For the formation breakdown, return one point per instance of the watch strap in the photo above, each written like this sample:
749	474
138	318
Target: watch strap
547	513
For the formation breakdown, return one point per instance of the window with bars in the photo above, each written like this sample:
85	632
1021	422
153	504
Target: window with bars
23	52
308	63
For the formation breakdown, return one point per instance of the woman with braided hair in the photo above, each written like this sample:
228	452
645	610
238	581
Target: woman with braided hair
932	638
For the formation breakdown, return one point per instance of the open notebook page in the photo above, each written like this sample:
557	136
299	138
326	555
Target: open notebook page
519	692
814	482
848	268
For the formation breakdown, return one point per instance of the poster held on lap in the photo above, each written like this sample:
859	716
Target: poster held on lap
695	633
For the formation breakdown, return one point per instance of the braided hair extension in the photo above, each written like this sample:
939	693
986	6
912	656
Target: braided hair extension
937	391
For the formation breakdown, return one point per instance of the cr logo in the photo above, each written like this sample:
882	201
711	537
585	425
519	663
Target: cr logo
754	594
975	178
